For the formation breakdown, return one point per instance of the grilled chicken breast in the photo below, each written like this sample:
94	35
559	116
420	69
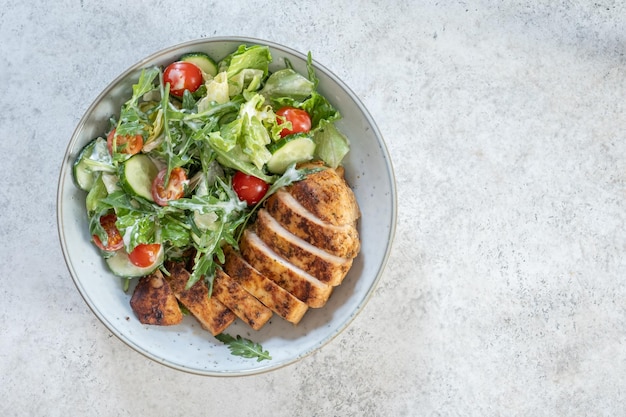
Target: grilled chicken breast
239	301
209	311
326	267
300	246
327	195
154	302
340	241
300	283
277	299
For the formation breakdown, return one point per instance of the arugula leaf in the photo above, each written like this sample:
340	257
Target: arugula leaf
144	84
227	212
139	227
175	231
119	200
311	70
245	348
95	228
133	120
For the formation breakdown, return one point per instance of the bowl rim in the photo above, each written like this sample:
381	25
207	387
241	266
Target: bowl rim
65	167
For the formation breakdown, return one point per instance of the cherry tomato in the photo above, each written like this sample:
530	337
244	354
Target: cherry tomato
300	120
144	255
182	76
248	188
114	239
124	144
175	187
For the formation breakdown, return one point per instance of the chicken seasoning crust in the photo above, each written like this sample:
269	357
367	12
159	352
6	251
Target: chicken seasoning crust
298	249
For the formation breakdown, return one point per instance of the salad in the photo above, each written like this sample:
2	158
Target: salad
195	151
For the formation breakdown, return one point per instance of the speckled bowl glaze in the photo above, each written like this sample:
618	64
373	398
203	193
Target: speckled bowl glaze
188	347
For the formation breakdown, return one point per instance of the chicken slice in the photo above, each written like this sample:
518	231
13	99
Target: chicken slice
327	195
338	240
154	302
277	299
209	311
329	269
241	302
301	284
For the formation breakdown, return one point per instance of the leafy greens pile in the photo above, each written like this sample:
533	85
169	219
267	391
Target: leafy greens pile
223	127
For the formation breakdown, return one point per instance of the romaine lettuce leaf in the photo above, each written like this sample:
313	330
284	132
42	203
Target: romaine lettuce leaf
238	160
228	136
246	57
319	109
287	84
246	138
217	90
254	140
330	144
248	79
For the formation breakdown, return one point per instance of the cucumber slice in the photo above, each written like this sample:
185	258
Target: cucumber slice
137	174
121	266
92	158
83	176
202	61
290	149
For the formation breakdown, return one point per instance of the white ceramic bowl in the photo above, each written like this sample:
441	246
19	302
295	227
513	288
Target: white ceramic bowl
187	346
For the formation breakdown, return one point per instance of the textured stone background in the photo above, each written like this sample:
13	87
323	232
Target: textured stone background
504	294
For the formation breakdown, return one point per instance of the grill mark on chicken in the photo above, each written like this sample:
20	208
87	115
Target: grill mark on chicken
301	284
328	268
341	240
239	301
265	290
209	311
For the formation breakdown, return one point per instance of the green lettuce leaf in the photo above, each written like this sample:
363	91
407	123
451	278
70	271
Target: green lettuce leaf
287	85
254	140
246	57
330	144
217	91
320	110
248	79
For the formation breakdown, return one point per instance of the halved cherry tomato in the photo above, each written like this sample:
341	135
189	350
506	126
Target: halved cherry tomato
175	188
248	188
182	76
300	120
114	239
144	255
124	144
